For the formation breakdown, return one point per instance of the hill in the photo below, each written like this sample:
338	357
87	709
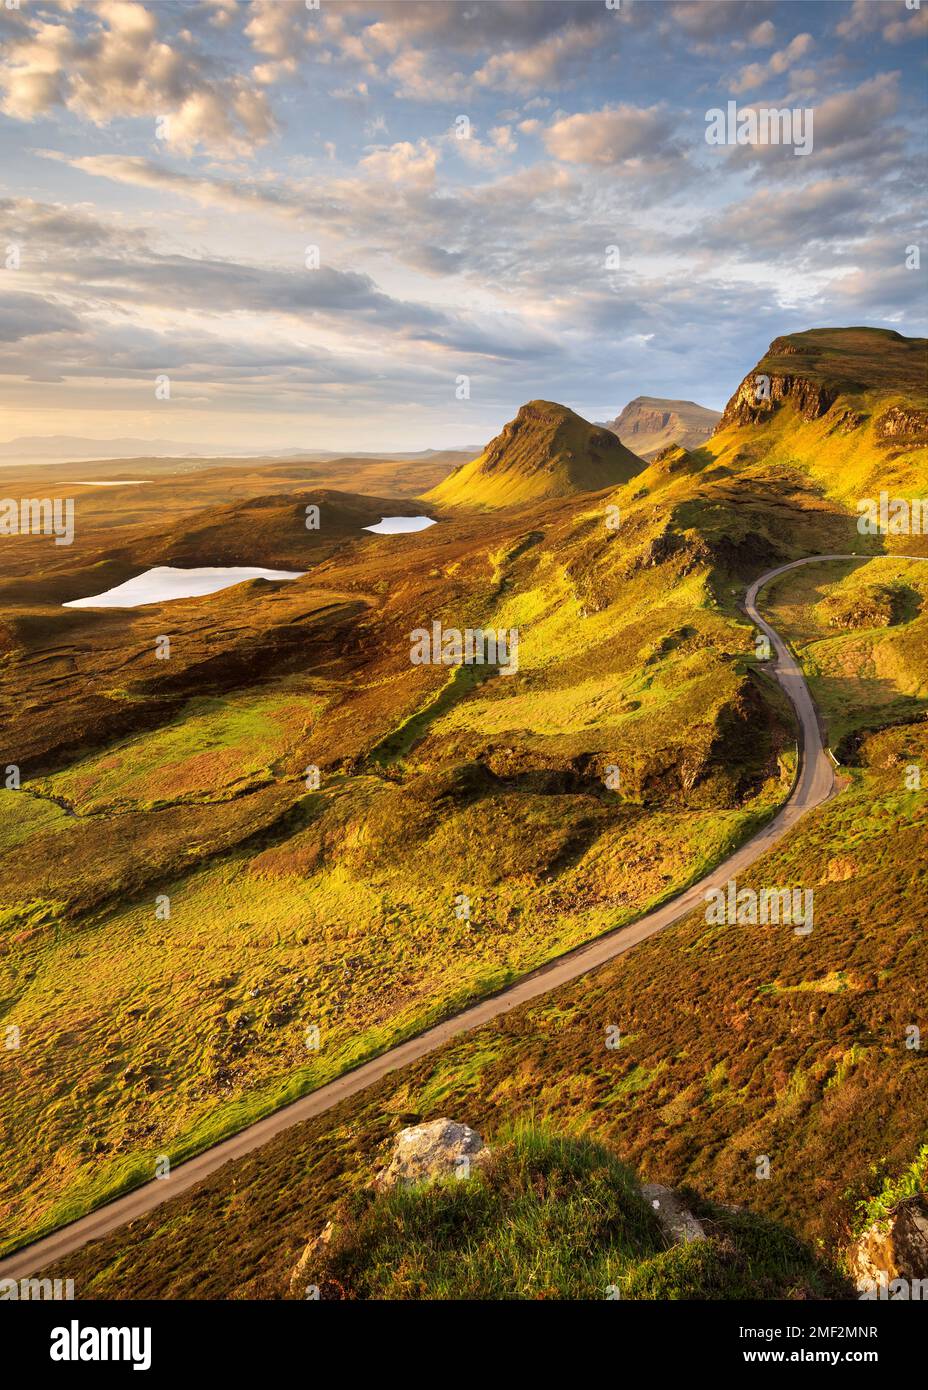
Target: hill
846	406
293	904
649	424
546	451
546	1217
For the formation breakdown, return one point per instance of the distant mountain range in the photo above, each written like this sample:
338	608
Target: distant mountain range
44	446
649	424
65	446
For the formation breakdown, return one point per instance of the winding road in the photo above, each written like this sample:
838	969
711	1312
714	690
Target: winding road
814	784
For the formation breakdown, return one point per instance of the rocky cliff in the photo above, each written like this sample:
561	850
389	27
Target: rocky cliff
649	424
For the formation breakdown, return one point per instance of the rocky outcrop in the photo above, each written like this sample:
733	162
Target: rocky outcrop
751	403
431	1152
742	557
900	426
783	347
879	605
423	1153
894	1248
677	1222
300	1286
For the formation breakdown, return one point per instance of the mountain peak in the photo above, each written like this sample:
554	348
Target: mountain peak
546	450
650	424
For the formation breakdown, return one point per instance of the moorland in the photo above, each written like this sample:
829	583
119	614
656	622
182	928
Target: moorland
327	902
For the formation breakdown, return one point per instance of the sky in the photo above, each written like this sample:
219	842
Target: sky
386	224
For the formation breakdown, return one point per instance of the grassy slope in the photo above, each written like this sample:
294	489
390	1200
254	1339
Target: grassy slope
854	360
868	372
337	908
736	1041
864	675
631	643
549	1218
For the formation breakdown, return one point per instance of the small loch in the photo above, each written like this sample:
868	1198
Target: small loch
400	525
163	583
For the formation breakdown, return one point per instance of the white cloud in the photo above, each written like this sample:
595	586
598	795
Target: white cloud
778	63
912	27
545	62
419	78
120	68
279	30
403	163
612	136
862	18
763	36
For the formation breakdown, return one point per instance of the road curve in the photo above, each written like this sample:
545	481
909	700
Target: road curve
815	783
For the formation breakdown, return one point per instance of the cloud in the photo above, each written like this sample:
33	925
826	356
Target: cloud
403	163
490	154
857	114
862	18
850	132
121	67
791	219
31	316
239	195
279	30
912	27
757	73
613	136
866	16
466	29
763	36
725	20
545	63
511	226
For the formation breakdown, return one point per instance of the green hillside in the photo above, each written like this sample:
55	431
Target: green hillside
335	905
847	406
546	451
551	1218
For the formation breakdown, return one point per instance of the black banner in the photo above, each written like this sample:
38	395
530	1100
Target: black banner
274	1338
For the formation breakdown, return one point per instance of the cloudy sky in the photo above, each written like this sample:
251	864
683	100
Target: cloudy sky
518	192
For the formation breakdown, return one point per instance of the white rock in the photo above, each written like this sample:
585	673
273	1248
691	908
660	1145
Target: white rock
676	1221
429	1152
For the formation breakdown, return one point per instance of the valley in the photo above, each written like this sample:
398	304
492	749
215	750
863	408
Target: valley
167	844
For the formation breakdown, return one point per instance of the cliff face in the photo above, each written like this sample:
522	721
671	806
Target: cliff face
645	420
750	402
846	406
649	424
813	370
903	426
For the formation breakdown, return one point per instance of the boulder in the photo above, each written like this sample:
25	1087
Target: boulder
298	1280
895	1247
429	1152
676	1221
